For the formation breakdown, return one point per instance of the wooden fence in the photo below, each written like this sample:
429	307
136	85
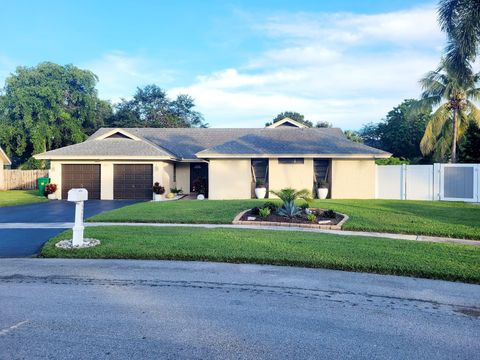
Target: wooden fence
22	179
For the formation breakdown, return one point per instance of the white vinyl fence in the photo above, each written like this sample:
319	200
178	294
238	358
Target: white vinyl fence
451	182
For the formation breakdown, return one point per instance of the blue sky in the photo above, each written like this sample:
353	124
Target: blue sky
347	62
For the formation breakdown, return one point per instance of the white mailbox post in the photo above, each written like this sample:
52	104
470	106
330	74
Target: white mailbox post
78	196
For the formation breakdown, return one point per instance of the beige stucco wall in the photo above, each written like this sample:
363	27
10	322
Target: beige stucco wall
162	172
353	179
55	175
296	176
183	177
229	179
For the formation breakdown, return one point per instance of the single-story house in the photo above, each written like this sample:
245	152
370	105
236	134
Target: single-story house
123	163
4	160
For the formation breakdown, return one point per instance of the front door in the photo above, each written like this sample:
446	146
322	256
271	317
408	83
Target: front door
199	178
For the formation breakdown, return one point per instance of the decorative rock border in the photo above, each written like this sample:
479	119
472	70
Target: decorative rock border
338	226
67	244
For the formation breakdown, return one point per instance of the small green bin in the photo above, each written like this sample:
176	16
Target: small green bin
41	185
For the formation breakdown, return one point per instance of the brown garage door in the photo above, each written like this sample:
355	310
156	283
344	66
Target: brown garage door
132	181
81	176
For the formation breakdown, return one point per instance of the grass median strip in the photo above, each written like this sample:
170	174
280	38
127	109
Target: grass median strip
435	218
376	255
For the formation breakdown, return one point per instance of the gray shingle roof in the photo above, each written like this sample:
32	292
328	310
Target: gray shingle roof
187	143
292	141
108	147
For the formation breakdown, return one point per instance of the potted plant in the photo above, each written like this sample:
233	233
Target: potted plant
260	189
50	190
158	192
176	191
322	190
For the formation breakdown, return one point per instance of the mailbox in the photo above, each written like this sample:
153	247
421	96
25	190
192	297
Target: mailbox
77	195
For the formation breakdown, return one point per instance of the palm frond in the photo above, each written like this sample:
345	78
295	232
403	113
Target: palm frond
473	112
288	195
433	84
473	94
463	123
446	10
434	129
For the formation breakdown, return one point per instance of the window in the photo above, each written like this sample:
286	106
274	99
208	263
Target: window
174	172
260	170
290	161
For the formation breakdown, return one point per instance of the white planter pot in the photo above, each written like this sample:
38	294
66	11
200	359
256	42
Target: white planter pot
322	193
157	197
51	197
260	192
200	197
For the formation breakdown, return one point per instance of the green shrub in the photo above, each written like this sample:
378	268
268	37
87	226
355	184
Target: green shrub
311	217
392	161
264	212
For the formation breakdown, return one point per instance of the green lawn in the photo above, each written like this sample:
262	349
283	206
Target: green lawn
18	197
451	219
377	255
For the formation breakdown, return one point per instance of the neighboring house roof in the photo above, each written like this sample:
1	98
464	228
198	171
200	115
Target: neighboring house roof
286	122
4	157
203	143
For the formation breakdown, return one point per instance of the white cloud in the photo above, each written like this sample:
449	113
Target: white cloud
120	74
408	27
344	68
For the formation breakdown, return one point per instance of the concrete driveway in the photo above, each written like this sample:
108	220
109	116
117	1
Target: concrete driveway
127	309
28	242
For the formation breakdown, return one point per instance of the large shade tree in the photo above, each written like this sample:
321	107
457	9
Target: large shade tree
400	131
151	107
292	115
470	146
454	97
460	19
48	106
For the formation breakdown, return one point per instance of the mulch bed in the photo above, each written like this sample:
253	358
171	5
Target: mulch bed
296	220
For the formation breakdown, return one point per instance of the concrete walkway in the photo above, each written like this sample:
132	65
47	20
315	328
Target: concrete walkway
424	238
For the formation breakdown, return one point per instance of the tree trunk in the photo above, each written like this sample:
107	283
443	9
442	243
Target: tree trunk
454	140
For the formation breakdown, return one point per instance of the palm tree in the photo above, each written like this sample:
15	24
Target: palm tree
456	110
460	19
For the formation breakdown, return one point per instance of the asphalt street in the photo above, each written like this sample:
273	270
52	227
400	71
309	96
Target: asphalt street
125	309
28	242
